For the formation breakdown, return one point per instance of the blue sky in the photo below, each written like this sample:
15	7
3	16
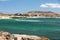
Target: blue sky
20	6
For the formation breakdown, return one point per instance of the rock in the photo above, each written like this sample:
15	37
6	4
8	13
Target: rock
8	36
44	39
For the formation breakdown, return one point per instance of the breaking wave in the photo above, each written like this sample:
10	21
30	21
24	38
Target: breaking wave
28	20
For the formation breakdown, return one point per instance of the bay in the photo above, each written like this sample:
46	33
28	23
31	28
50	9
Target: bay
44	27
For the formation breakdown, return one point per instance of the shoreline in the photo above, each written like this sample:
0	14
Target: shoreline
25	17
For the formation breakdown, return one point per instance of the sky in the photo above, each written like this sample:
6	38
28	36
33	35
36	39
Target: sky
21	6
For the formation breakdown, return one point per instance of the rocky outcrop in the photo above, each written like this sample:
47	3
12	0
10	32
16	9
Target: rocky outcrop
8	36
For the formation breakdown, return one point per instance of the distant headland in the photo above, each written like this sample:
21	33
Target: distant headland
31	14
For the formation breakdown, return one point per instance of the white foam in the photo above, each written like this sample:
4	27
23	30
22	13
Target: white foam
28	20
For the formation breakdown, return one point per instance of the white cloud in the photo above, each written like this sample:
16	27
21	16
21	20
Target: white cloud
50	5
43	5
3	0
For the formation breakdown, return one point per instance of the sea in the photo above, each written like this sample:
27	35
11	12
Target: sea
43	27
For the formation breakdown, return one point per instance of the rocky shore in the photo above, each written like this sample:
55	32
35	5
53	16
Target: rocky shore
9	36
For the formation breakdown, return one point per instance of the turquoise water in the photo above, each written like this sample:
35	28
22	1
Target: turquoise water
44	27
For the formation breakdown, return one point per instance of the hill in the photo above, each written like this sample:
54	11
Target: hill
43	14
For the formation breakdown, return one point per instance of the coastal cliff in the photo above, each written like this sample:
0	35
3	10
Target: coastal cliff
9	36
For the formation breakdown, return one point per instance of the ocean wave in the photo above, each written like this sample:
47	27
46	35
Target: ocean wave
29	20
5	18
